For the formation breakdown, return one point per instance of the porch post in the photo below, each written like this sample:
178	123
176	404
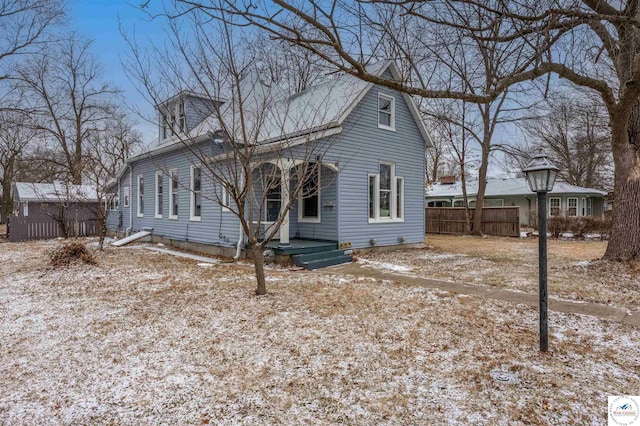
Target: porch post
285	170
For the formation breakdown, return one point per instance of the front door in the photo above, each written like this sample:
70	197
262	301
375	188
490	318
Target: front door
274	204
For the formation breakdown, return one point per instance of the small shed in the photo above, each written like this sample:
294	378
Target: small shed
51	210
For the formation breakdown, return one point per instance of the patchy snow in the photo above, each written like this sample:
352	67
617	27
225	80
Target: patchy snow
385	266
148	338
512	263
202	259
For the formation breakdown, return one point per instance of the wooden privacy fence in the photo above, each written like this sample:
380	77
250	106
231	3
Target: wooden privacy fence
502	221
40	228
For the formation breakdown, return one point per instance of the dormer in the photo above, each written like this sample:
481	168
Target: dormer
183	112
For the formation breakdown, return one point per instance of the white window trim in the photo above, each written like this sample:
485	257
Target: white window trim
392	119
139	211
577	206
158	214
126	195
25	209
436	200
392	201
376	197
173	173
171	119
559	206
192	194
225	198
461	200
396	179
310	219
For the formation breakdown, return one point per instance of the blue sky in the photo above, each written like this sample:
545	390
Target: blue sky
99	20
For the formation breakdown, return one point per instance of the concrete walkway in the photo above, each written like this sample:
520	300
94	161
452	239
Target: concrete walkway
601	311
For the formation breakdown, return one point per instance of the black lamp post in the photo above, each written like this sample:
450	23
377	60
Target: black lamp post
541	175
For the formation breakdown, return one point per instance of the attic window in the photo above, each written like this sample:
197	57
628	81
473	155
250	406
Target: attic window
181	117
386	112
174	120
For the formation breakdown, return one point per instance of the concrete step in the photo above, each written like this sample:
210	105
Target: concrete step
322	263
300	259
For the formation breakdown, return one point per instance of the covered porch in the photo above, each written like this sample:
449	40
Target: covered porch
304	195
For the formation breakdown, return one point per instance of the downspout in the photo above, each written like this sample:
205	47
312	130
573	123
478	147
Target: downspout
119	208
241	233
130	201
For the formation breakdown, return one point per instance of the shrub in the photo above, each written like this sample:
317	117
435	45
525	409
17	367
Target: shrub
71	252
578	226
557	225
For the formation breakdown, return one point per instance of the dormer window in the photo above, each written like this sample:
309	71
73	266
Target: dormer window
174	120
386	112
182	121
166	130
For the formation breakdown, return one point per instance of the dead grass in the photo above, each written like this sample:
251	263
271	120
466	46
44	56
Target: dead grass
145	338
575	271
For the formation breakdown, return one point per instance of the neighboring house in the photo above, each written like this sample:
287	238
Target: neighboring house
41	210
565	199
374	166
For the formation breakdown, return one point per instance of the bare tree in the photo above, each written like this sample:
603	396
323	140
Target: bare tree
24	25
591	43
269	149
106	152
454	124
64	91
576	135
14	138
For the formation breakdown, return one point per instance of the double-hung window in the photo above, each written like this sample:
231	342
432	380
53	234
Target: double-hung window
125	196
386	194
196	193
173	194
225	198
174	119
159	195
554	206
182	121
309	202
386	112
140	180
572	206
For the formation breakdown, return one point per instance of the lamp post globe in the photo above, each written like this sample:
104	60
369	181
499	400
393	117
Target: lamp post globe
541	176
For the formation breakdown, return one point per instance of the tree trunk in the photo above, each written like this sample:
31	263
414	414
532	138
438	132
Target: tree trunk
258	261
624	241
465	200
7	205
482	185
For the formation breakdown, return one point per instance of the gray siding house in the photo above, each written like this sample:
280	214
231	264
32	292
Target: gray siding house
372	171
565	199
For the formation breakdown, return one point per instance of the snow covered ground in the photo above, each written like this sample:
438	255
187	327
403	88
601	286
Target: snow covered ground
146	338
575	271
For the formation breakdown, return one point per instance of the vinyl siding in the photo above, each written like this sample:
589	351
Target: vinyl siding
196	110
113	220
358	150
327	229
215	227
361	148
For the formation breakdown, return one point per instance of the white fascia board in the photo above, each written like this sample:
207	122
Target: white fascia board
261	149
